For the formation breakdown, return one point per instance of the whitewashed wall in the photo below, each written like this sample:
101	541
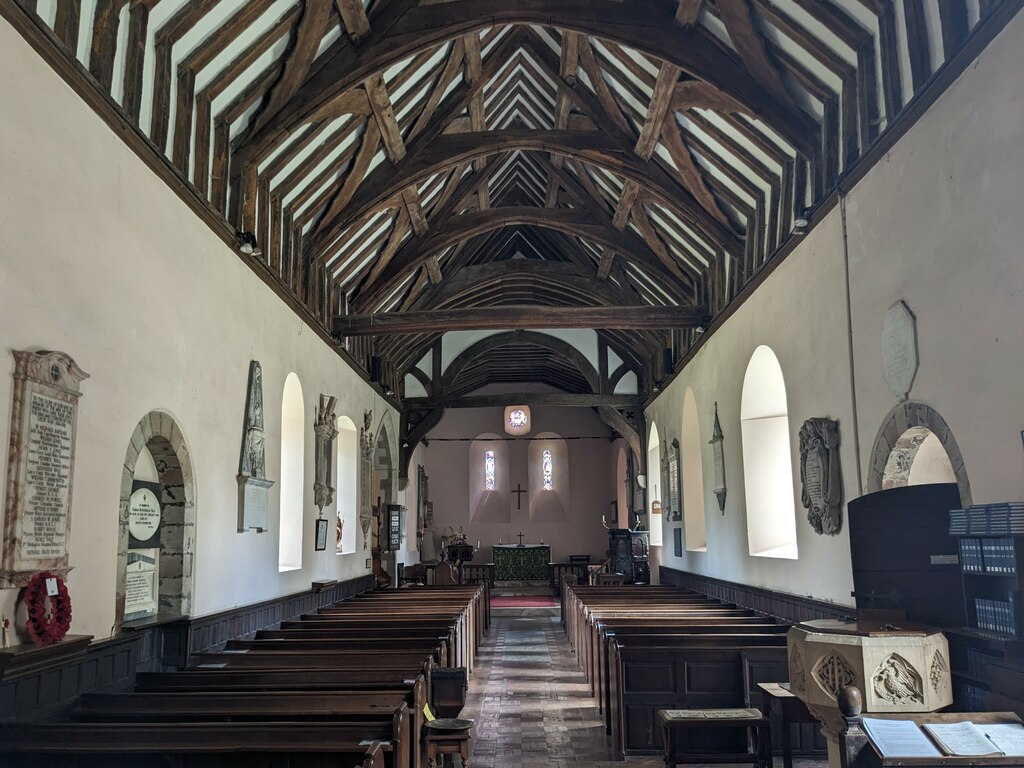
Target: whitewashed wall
938	222
99	259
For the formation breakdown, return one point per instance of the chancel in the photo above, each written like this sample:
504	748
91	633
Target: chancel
656	364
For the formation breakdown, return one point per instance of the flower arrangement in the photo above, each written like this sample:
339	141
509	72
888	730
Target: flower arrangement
49	616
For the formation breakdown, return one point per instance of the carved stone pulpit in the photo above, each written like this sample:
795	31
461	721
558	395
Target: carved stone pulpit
898	669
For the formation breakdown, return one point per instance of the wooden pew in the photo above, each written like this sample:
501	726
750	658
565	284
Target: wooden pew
366	684
375	710
190	745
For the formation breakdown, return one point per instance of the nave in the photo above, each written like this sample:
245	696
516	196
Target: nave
533	707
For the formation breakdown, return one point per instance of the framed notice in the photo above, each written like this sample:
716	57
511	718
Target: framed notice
321	534
44	419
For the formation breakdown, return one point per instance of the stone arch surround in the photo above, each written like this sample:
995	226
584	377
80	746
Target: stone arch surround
159	432
906	416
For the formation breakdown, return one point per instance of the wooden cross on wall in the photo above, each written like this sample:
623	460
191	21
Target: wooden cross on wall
519	491
520	534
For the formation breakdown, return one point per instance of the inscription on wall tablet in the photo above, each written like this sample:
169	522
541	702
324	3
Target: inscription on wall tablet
41	467
899	349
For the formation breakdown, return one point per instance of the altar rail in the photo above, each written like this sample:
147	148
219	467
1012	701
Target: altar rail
791	608
558	571
111	665
477	573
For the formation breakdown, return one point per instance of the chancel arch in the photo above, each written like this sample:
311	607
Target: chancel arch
915	446
550	482
692	470
489	498
157	453
347	493
293	454
767	458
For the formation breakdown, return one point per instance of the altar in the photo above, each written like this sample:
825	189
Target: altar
521	562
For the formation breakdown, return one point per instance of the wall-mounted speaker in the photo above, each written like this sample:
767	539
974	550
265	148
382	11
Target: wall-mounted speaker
376	369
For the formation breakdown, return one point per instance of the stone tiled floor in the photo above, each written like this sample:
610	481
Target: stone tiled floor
532	706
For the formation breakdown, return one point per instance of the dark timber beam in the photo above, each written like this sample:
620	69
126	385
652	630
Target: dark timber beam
388	180
538	398
519	316
578	222
646	25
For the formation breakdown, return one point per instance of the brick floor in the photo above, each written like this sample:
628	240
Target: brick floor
533	707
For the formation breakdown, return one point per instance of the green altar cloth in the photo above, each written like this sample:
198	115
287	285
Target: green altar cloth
527	562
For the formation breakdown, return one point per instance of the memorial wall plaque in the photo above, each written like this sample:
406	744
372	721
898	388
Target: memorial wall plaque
899	349
141	588
253	485
144	515
40	468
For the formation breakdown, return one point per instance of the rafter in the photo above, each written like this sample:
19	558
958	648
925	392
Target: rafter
646	25
576	222
388	179
353	16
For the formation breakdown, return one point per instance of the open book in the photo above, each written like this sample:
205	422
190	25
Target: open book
976	739
903	738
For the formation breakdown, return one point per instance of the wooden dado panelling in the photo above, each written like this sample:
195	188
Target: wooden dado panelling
111	665
786	607
209	633
108	665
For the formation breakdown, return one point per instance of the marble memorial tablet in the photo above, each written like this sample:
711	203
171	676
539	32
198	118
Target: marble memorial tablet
42	457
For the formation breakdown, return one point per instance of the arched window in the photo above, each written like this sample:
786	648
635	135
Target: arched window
654	489
347	495
489	465
548	457
293	481
694	521
767	459
488	480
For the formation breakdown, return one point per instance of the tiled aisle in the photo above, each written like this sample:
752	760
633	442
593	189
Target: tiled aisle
531	704
533	708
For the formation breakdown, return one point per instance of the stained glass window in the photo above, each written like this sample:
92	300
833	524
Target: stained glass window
517	418
489	470
548	468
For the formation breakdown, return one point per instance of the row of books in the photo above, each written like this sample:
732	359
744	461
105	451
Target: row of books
988	555
1002	519
996	615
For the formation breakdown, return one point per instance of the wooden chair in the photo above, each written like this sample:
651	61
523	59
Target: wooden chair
579	559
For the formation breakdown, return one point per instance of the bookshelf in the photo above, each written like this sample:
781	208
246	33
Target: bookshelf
991	549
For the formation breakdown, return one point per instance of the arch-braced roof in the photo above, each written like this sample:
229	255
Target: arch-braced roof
397	155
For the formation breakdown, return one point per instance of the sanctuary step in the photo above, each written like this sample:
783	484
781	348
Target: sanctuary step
521	588
518	606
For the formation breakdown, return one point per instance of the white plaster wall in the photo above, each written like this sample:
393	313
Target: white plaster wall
98	258
938	222
798	313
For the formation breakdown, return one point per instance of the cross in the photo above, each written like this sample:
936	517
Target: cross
519	491
520	538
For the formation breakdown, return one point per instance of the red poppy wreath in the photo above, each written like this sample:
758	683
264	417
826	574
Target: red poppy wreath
49	616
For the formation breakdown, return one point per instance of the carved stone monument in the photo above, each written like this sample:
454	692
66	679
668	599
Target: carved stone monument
898	669
821	475
367	446
718	451
253	486
325	430
899	349
40	469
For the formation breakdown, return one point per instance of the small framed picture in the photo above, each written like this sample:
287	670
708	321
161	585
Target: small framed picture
321	534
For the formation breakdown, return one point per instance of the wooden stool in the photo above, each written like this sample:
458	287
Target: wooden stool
790	709
756	725
442	741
